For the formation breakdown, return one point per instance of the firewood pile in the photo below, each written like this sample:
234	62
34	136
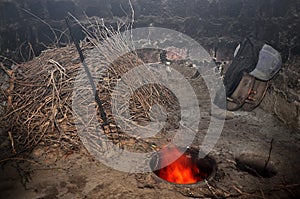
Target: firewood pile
38	100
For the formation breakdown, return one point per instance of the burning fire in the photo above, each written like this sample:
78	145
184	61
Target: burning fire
182	171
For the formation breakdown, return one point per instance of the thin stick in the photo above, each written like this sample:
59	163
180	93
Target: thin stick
6	58
211	189
22	159
44	22
271	145
87	71
12	142
132	19
246	194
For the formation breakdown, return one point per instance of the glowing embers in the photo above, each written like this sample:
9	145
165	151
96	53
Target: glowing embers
174	166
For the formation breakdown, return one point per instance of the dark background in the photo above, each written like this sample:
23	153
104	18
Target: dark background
29	26
211	22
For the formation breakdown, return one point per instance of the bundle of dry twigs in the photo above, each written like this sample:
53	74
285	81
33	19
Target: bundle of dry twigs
39	98
39	101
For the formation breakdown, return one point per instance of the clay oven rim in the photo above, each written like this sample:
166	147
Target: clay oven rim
206	164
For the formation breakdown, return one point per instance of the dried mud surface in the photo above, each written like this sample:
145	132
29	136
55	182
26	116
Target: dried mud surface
79	175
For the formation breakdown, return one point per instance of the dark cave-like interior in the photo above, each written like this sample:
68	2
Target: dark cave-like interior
48	148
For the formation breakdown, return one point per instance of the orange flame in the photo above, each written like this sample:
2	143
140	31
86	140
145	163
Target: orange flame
182	171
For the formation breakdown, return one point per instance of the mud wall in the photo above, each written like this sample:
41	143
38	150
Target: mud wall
28	26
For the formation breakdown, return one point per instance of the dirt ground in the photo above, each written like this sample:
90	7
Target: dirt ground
245	140
79	175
